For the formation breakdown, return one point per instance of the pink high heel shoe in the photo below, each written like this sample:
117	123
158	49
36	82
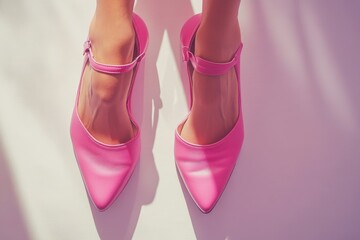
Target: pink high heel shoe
206	169
106	169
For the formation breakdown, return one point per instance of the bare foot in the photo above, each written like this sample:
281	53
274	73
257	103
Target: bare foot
102	101
215	98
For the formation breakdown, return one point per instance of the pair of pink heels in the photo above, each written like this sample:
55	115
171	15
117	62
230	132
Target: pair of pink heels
205	169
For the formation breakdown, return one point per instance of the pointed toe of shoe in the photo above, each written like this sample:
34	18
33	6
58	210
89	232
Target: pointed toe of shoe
204	180
104	185
205	170
103	198
204	190
105	169
106	173
101	203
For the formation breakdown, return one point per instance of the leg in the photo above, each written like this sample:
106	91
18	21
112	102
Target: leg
102	102
215	98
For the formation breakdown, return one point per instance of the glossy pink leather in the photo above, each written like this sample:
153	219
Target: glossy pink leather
105	169
206	169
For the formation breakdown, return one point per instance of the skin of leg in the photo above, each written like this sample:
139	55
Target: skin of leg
215	98
102	100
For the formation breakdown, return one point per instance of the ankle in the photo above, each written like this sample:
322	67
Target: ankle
113	40
216	42
115	9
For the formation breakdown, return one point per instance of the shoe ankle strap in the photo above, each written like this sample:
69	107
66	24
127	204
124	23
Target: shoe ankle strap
210	68
106	68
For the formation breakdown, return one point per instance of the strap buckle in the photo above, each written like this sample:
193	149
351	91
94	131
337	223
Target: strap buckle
87	46
185	53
